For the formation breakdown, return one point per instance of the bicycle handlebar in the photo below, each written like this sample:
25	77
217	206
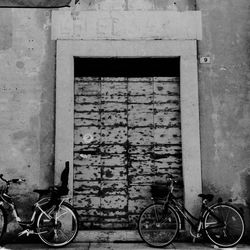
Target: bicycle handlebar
170	176
1	177
174	179
18	181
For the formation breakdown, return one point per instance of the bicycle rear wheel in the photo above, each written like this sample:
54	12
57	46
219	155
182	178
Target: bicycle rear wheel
158	226
224	225
58	227
3	222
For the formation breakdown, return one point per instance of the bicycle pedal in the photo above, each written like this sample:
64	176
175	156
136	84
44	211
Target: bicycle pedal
44	232
26	231
25	222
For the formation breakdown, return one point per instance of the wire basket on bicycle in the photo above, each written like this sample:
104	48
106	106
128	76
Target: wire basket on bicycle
160	190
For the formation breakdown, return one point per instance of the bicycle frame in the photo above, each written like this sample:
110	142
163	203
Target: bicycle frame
184	212
160	222
37	208
198	226
51	213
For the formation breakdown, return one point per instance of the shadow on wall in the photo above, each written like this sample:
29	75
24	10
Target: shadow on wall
247	192
241	195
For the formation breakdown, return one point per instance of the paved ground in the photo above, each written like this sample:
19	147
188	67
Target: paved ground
119	246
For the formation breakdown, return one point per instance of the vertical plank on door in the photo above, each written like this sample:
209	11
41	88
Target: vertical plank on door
87	172
140	141
114	154
167	125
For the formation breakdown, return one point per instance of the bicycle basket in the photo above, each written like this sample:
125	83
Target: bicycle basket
160	190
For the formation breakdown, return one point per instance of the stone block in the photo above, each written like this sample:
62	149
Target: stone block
140	5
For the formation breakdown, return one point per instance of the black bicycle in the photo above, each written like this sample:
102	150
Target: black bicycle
159	223
54	220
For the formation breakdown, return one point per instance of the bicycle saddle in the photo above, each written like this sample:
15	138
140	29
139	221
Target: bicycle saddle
41	191
208	197
59	190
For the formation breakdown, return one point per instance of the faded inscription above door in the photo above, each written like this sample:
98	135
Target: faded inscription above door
129	118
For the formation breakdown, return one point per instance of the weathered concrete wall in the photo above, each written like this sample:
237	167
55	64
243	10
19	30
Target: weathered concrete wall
225	99
27	89
182	5
27	94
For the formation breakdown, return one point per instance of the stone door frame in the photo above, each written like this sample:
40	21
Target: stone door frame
185	49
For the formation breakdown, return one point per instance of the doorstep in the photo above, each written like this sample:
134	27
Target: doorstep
118	236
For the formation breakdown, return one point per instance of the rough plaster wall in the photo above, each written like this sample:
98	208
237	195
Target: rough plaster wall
135	4
225	99
26	101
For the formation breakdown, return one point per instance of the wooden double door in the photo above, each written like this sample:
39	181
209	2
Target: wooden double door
129	118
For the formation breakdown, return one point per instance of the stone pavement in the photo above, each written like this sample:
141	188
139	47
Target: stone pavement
118	246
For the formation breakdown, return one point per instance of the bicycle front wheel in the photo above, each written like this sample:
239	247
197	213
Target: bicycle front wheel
3	222
58	227
158	226
224	225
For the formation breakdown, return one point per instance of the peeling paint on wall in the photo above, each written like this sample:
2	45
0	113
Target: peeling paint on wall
5	29
240	194
224	100
27	101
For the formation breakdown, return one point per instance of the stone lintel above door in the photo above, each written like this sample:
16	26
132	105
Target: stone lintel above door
126	25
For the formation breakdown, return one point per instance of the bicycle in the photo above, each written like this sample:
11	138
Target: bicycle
53	219
160	222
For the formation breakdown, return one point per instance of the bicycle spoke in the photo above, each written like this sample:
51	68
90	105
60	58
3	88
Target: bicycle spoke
227	216
57	217
156	214
156	229
3	222
230	232
65	236
231	235
60	235
220	213
60	230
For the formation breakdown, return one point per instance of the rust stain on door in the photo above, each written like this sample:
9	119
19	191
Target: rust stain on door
130	118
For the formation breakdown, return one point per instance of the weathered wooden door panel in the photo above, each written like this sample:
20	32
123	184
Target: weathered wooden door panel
138	200
167	134
130	118
140	136
114	149
113	205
